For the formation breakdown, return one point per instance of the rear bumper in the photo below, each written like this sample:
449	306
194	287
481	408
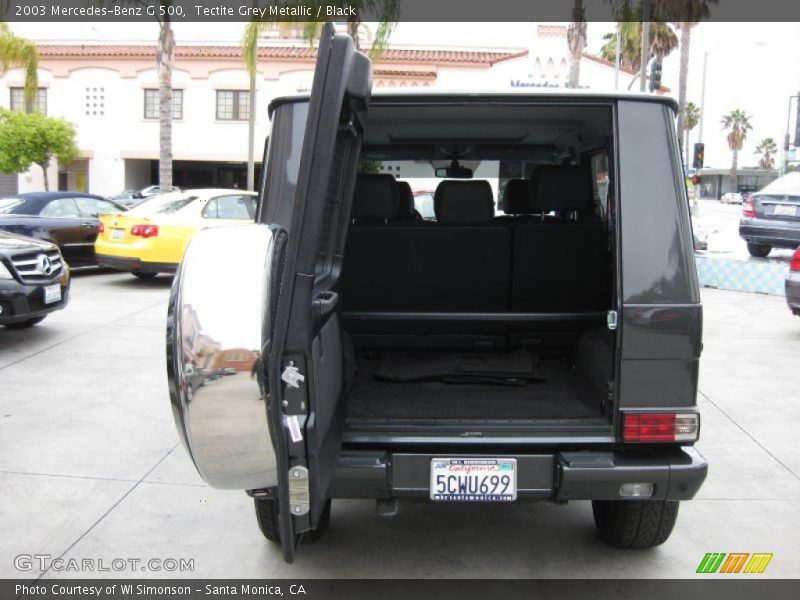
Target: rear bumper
781	234
677	474
130	264
793	291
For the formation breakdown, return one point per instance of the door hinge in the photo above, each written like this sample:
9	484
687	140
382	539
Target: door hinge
292	376
611	319
299	497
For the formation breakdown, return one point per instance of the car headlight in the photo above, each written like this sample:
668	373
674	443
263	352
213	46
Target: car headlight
4	272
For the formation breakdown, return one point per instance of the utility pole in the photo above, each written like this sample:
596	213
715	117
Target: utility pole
645	44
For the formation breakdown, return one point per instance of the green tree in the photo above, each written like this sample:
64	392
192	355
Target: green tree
662	41
689	118
19	52
767	148
33	138
737	124
386	11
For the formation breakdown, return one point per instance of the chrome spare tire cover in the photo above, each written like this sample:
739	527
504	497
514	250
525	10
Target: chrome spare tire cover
216	328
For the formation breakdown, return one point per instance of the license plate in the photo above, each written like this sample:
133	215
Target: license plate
117	234
474	479
784	210
52	293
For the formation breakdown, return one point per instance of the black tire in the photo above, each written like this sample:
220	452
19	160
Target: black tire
141	275
759	250
268	517
635	524
25	324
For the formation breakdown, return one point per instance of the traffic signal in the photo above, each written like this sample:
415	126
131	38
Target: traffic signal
699	155
655	75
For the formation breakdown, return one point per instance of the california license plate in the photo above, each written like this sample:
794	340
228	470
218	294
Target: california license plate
474	479
52	293
117	234
785	210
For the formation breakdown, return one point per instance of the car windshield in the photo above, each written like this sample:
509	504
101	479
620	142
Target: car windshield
163	205
7	205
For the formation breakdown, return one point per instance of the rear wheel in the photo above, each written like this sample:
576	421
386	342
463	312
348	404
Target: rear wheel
144	275
635	524
268	517
24	324
759	250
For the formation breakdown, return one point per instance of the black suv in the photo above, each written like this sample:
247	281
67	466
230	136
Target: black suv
547	353
34	280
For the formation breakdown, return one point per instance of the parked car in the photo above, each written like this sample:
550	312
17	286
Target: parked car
466	360
423	203
132	198
700	234
151	238
793	284
68	219
771	218
34	280
731	198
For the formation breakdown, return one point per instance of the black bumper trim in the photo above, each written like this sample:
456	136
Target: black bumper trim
130	264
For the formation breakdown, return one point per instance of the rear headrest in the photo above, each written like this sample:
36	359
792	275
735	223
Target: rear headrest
375	198
518	197
405	207
562	188
463	202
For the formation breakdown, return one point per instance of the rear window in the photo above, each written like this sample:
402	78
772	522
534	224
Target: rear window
7	205
163	205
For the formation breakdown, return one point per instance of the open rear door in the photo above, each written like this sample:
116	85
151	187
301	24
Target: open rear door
305	369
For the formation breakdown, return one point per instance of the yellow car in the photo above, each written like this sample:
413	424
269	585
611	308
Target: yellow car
152	237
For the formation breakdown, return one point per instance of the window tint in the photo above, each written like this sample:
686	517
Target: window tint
7	205
60	207
230	207
163	205
92	207
600	182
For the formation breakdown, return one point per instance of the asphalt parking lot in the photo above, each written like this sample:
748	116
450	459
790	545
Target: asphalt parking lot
91	467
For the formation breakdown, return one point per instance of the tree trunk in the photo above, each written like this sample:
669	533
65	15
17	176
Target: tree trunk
686	41
576	39
733	175
645	45
251	127
46	180
352	29
165	56
686	147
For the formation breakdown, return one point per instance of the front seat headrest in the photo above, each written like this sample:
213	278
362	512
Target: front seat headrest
375	198
518	197
562	188
463	202
405	208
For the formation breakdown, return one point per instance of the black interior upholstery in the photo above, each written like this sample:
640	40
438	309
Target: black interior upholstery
563	188
518	197
375	199
463	203
405	207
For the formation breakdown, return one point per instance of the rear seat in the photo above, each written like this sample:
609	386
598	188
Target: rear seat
556	262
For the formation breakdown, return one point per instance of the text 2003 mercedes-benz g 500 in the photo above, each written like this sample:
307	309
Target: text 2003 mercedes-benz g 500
536	338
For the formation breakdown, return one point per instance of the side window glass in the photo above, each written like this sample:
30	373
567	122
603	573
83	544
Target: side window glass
91	207
210	210
600	183
61	207
233	207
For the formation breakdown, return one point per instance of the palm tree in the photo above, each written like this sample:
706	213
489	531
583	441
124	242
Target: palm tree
767	149
387	13
576	39
662	41
693	11
165	59
688	118
737	123
19	52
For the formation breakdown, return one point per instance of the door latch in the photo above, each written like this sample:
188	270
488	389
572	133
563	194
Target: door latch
611	319
292	376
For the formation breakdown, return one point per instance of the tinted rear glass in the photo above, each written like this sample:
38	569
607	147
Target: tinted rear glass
163	205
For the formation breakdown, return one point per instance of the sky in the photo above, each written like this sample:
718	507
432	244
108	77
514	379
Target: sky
751	66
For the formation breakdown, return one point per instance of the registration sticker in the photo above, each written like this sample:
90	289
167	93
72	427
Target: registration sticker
480	479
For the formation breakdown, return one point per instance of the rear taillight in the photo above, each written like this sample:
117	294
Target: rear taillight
144	231
794	265
747	208
100	227
660	427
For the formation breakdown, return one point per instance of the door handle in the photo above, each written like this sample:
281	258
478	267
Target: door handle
324	303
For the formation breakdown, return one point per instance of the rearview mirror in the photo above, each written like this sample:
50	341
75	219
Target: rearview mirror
454	172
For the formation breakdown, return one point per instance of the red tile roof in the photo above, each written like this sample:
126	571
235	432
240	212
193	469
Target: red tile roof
484	58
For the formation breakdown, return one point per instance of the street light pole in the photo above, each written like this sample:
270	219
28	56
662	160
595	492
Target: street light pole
787	139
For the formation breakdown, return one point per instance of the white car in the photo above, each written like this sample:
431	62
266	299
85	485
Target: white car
731	198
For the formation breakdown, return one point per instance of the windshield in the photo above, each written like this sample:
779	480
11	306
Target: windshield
163	205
